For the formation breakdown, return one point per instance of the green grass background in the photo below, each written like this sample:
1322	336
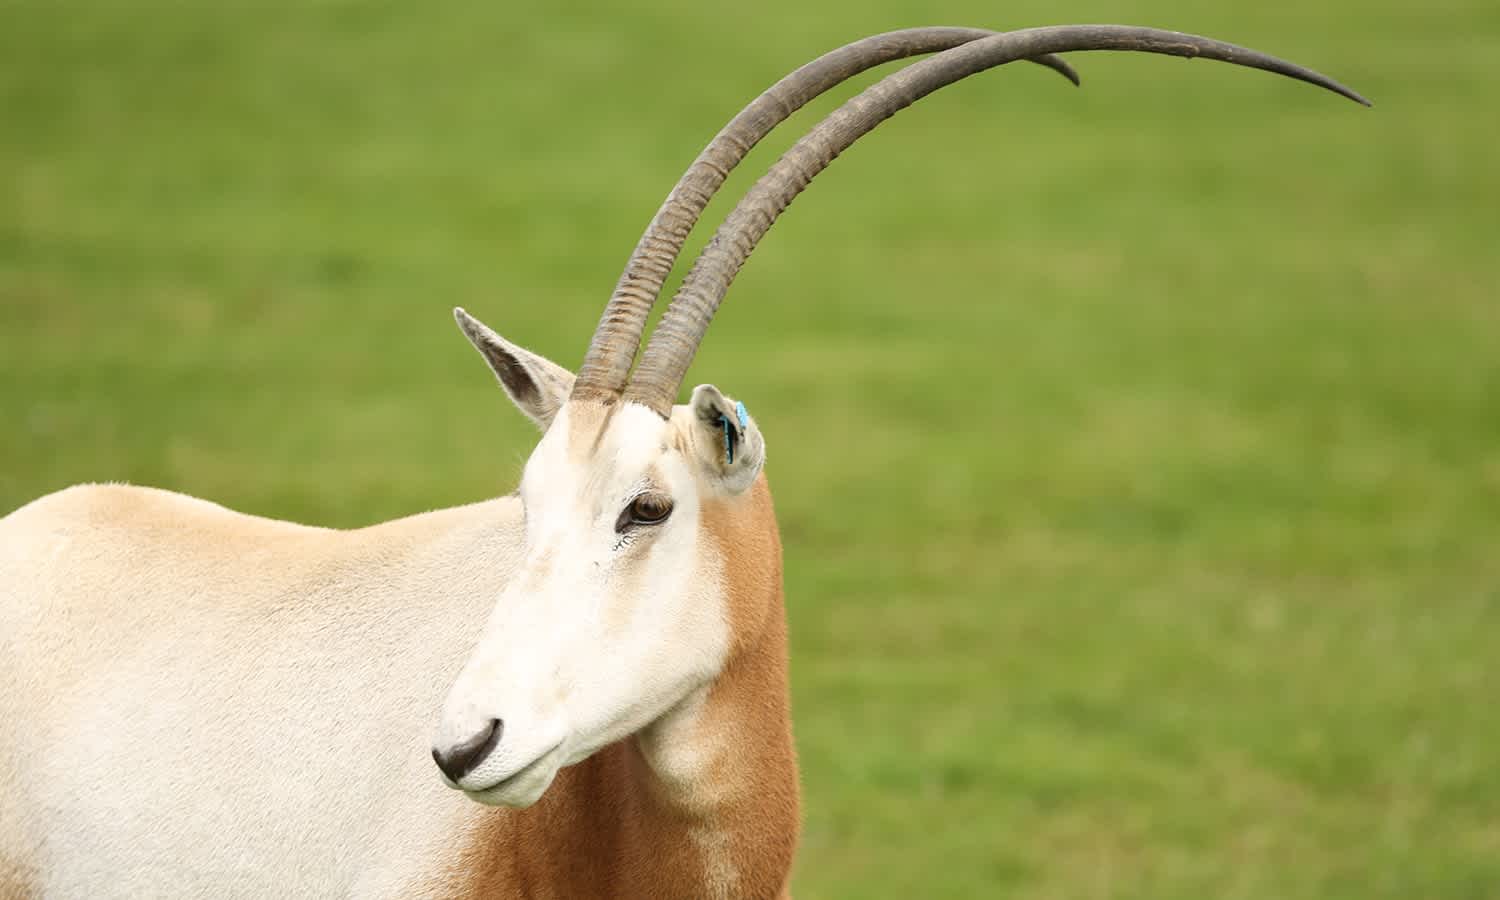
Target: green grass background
1137	448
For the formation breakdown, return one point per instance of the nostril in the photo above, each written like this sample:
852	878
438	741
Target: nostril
460	760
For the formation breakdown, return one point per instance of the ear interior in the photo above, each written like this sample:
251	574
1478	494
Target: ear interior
536	385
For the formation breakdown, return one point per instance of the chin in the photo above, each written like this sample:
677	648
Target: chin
516	793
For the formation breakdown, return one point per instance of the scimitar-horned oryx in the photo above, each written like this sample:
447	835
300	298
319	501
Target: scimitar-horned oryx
202	703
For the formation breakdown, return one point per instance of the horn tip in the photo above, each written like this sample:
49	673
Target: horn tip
1354	95
1343	91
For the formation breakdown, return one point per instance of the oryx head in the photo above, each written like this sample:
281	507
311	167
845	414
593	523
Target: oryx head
619	610
625	605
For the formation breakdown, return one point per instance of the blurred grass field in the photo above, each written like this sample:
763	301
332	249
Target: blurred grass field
1137	448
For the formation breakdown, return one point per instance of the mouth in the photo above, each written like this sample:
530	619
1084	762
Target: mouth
522	787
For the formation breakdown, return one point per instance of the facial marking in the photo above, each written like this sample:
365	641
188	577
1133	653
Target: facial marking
588	425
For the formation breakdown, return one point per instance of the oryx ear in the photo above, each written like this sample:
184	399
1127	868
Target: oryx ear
537	385
725	440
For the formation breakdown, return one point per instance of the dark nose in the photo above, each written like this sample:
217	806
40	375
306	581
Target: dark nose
466	757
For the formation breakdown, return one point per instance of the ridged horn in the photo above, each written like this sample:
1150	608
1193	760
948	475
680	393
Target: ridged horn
675	341
612	350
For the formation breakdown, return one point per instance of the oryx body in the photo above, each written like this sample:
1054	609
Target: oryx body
249	708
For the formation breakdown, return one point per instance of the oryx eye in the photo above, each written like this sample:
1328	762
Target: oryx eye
647	509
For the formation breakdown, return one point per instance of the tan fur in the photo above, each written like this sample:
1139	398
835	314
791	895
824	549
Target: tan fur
587	426
617	825
15	883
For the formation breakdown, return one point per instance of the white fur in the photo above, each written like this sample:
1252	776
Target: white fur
202	703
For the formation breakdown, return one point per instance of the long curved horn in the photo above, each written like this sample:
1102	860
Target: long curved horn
612	351
675	340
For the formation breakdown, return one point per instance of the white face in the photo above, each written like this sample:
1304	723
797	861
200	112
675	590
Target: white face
611	620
